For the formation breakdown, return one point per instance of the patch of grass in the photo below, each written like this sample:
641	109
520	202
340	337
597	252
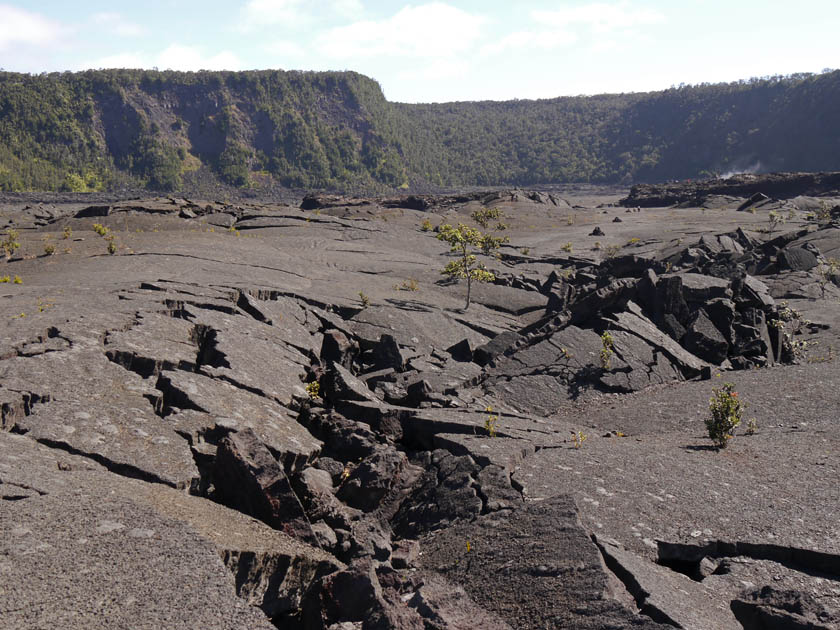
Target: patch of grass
407	285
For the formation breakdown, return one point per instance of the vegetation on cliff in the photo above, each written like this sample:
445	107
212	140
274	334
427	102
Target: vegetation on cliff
104	129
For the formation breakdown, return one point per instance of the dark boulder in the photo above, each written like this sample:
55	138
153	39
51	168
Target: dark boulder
670	300
797	259
754	199
337	348
369	482
498	345
461	351
597	232
769	608
704	340
248	478
387	354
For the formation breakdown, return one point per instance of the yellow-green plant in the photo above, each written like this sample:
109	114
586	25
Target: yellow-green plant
407	285
101	230
725	411
364	299
67	232
491	422
578	438
827	271
606	350
10	243
567	247
610	251
752	426
313	390
463	241
426	226
17	280
5	279
776	219
112	246
634	241
49	248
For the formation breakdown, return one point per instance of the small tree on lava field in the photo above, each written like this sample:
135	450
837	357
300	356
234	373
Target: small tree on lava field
465	242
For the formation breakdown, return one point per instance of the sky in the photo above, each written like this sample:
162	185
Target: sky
436	51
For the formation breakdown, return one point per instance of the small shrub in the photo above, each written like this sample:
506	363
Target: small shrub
725	411
10	244
525	251
578	438
49	248
634	241
313	390
17	280
823	215
606	350
610	251
67	232
426	226
752	426
112	247
776	219
101	230
597	246
827	271
407	285
567	247
491	422
5	279
570	220
364	299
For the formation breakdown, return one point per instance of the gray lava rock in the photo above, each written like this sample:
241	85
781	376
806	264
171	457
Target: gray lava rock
446	492
461	351
705	340
373	478
500	344
337	348
773	609
387	354
249	479
797	259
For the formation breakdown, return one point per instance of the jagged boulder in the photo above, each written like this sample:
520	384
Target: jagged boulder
248	478
705	340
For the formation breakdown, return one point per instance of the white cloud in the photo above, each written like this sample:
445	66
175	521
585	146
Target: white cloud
599	17
262	13
175	57
116	24
347	8
23	27
428	31
285	48
532	40
178	57
120	60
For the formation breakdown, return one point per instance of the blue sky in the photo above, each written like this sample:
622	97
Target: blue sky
438	50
